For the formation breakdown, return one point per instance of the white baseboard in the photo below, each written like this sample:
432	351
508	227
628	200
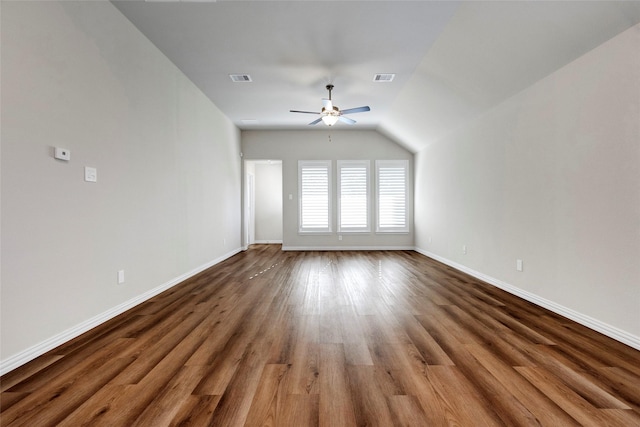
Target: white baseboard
39	349
268	242
347	248
595	324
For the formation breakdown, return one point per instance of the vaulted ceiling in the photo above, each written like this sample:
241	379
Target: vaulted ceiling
452	60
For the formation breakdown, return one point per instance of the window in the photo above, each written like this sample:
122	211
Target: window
391	184
315	195
353	200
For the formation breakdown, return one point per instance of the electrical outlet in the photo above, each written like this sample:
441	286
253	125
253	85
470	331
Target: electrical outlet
464	249
519	264
339	236
120	277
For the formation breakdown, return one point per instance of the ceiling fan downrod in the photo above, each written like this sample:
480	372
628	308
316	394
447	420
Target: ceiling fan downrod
329	87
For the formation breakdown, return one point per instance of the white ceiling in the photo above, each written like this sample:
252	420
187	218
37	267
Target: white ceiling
452	60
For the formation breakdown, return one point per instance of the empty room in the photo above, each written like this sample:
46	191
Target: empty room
319	213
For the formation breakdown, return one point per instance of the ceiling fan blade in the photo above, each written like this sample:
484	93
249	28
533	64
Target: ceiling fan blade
356	110
316	121
305	112
327	104
346	120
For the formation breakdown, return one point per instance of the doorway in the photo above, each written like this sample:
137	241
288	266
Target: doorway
263	202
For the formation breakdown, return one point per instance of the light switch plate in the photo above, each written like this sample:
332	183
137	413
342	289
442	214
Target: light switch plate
90	174
62	154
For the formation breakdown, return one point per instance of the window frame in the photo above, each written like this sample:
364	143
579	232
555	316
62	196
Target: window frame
366	164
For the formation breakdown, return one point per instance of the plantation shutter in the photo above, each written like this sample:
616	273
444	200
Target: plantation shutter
354	195
392	196
315	179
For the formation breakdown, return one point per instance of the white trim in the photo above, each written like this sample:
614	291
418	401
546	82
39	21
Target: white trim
268	242
31	353
347	248
39	349
595	324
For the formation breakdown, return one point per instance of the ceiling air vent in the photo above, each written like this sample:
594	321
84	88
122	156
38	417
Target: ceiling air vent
383	77
240	77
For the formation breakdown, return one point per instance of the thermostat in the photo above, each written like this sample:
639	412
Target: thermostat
62	154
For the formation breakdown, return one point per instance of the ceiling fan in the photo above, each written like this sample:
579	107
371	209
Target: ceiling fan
330	114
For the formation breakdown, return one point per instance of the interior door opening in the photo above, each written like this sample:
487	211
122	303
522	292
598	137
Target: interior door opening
263	202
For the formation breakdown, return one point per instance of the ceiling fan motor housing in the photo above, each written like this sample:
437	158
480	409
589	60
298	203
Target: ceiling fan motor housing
334	111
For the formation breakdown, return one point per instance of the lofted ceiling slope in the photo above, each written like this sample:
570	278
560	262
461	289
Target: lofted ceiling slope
452	60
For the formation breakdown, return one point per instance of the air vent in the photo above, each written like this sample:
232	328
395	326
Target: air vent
383	77
241	78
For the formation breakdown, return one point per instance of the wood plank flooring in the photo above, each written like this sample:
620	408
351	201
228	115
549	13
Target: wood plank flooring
379	338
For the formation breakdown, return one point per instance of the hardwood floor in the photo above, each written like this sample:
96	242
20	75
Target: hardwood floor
332	339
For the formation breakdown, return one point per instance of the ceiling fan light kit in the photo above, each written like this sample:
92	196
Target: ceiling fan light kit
331	114
330	119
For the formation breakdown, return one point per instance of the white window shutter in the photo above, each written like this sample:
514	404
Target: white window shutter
391	180
315	196
353	188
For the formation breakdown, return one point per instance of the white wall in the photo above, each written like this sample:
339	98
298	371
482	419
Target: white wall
167	201
268	202
291	146
552	177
